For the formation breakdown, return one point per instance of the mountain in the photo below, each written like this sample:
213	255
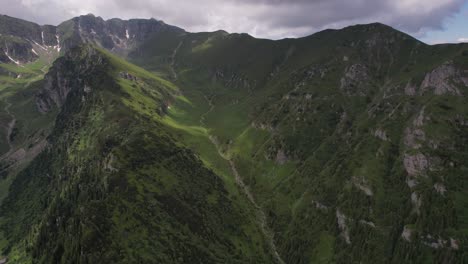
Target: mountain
138	142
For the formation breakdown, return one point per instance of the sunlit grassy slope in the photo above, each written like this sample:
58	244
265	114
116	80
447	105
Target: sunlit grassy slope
129	182
261	98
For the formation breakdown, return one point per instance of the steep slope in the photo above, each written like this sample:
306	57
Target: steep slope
346	138
115	186
27	50
116	35
346	146
22	41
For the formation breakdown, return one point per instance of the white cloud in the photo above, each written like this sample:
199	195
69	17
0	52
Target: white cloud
462	40
261	18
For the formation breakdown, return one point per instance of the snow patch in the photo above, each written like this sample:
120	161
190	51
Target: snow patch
42	37
127	34
58	48
39	45
13	60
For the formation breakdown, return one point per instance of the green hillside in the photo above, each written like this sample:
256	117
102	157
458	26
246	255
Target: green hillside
347	146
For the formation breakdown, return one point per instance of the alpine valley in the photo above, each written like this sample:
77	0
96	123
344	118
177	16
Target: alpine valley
138	142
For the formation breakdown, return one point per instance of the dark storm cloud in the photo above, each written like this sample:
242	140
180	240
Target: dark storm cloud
262	18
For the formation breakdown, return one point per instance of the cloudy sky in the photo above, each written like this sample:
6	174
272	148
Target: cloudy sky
433	21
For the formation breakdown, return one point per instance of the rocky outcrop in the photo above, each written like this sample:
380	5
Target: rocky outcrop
416	201
67	75
367	223
281	157
410	89
354	81
55	91
109	163
454	244
21	40
414	137
319	205
407	233
127	76
416	164
437	242
19	28
440	188
232	79
444	79
381	134
362	184
341	220
116	35
14	50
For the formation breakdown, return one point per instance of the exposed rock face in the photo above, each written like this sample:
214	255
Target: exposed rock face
445	79
413	137
419	120
319	205
381	134
232	79
341	219
20	40
416	201
415	165
20	28
407	233
410	89
16	51
362	185
55	92
109	163
411	182
281	157
127	76
440	188
368	223
438	242
62	79
354	80
454	244
116	35
442	80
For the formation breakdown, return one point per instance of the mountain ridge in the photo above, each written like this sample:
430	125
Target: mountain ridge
344	146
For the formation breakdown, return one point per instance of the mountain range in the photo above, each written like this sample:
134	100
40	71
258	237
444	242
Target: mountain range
134	141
